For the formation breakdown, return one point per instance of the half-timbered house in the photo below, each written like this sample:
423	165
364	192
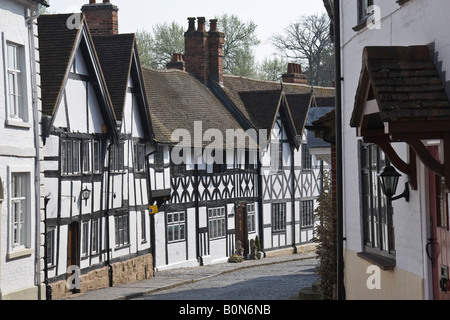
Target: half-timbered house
21	260
255	192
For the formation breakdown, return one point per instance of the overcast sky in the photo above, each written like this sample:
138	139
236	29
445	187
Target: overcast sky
271	16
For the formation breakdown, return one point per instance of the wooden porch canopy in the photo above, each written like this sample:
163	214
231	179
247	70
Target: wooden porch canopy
401	98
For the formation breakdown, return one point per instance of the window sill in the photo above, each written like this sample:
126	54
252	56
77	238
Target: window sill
18	123
19	253
383	262
362	24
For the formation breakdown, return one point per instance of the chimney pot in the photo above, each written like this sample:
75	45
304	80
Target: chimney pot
105	1
92	1
191	27
213	25
201	24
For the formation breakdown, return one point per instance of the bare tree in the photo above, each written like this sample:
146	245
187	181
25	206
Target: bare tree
308	41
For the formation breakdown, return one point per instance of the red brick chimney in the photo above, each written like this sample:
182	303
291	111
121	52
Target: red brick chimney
204	50
102	18
177	62
294	74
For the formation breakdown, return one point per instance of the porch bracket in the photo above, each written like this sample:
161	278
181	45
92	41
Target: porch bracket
384	142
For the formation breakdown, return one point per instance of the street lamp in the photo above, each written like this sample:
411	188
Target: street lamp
85	195
389	181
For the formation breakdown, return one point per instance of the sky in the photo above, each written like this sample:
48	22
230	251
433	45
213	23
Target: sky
271	16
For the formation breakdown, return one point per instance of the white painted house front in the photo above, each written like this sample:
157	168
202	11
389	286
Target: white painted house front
402	45
21	258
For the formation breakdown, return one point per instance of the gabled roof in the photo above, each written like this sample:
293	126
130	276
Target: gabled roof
57	46
177	100
405	83
115	53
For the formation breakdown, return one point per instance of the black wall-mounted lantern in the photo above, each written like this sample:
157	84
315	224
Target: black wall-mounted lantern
85	195
389	181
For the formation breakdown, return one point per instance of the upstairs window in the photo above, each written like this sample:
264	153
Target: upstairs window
117	157
15	77
363	14
139	157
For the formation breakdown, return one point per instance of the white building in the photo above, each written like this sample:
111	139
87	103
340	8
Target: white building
401	110
20	152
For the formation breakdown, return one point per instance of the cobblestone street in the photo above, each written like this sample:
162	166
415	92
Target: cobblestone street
280	281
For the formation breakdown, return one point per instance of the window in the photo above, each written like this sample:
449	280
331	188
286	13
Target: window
85	239
276	156
176	226
121	225
70	157
117	157
139	157
97	156
278	217
19	210
16	103
143	226
307	213
363	6
251	218
159	158
378	227
50	244
216	223
87	156
306	158
95	236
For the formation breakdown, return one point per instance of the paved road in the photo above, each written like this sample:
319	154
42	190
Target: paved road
270	282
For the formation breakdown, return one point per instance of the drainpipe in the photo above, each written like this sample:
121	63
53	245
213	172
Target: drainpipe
108	263
339	154
31	16
293	199
152	217
1	201
48	288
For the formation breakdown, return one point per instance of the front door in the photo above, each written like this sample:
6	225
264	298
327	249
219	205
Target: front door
437	247
72	249
241	226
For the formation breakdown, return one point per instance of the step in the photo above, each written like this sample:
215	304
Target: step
309	294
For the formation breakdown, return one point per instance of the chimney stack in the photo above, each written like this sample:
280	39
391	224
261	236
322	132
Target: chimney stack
102	18
177	62
204	50
294	74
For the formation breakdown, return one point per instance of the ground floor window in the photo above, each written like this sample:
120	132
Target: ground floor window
307	213
19	208
378	231
50	245
216	223
122	228
176	226
251	218
278	217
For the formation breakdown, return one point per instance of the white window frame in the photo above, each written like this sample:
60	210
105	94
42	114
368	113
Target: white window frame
176	227
217	223
17	113
251	218
85	238
16	250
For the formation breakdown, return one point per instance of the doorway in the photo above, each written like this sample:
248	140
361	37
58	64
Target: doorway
241	226
73	248
437	249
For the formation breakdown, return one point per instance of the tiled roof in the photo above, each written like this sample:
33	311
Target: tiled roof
56	45
405	83
115	54
177	100
43	2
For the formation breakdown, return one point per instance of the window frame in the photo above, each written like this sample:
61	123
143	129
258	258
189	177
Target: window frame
217	223
251	218
279	217
377	237
176	221
307	213
17	111
122	230
16	251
